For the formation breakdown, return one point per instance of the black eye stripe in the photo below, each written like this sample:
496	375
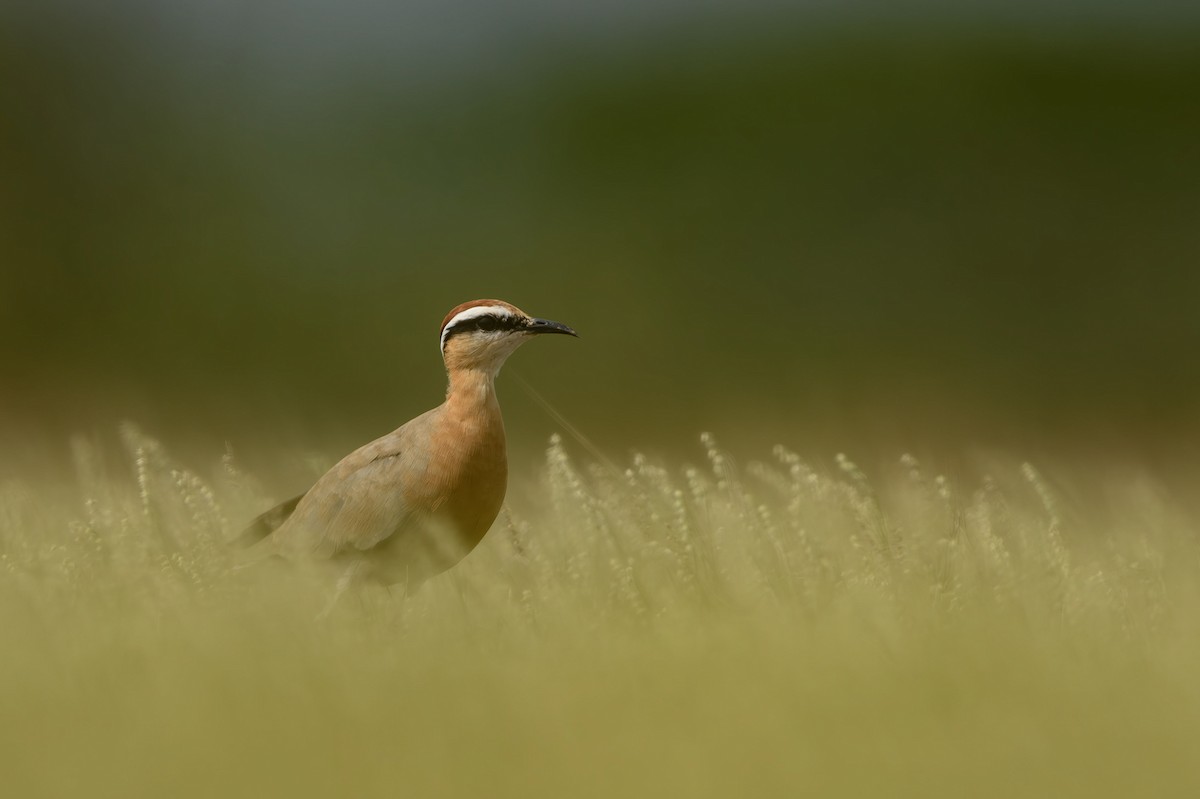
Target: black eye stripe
486	322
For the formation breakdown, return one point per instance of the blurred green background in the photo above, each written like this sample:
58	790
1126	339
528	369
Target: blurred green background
833	225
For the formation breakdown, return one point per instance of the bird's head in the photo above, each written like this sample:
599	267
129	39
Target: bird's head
481	334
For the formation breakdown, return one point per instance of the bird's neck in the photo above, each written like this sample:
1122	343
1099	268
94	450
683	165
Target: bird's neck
471	416
471	389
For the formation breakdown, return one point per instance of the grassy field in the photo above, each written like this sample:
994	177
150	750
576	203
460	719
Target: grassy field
773	628
968	233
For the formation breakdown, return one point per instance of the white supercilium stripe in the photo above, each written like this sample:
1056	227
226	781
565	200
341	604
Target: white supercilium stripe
473	313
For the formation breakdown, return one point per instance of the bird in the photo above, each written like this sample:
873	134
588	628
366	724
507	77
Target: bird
413	503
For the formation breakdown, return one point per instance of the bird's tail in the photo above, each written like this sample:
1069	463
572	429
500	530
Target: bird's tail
265	524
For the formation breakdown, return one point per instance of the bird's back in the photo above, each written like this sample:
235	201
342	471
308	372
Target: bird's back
409	504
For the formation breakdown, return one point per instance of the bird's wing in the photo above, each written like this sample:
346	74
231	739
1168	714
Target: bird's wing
266	523
357	504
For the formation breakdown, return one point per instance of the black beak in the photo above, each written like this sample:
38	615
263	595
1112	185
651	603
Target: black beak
546	326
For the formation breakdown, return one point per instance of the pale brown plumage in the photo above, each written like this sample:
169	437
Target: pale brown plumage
413	503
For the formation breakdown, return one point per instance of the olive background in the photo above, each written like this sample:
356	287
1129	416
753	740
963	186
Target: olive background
858	227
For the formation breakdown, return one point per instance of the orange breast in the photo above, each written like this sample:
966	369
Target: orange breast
468	473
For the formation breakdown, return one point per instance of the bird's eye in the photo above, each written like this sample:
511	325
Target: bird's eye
488	323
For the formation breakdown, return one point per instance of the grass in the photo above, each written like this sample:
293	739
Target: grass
767	629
